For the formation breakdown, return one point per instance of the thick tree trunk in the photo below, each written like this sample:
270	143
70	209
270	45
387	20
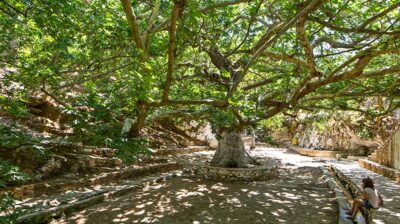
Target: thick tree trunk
231	151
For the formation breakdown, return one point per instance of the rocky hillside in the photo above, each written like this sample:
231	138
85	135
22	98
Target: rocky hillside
352	133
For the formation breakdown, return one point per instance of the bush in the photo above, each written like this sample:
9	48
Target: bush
128	150
9	175
109	135
7	208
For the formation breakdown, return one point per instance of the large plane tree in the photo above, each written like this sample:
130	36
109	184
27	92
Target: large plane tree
231	62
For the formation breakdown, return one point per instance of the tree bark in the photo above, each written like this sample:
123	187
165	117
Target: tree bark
231	152
140	120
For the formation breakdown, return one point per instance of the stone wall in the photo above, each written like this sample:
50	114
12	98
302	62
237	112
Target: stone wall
389	153
395	150
237	174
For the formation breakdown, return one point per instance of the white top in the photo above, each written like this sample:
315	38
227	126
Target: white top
373	197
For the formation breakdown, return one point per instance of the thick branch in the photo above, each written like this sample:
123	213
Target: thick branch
381	14
302	37
287	58
381	72
263	82
188	102
257	52
178	7
352	29
222	4
154	13
131	17
305	88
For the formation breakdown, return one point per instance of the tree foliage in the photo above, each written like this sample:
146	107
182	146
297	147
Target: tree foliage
246	60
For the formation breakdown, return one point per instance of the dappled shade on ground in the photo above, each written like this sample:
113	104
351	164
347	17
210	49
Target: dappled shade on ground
197	201
298	196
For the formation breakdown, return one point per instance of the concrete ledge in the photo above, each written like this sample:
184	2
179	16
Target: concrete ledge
340	198
312	152
381	169
47	215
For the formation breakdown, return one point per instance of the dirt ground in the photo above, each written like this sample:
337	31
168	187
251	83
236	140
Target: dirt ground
297	195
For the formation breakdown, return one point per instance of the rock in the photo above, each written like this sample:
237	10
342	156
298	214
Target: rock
338	137
127	126
53	166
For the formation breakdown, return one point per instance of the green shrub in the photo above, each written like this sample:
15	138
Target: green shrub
11	138
7	208
109	135
128	150
10	174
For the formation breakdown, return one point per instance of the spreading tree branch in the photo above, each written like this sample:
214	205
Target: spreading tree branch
178	7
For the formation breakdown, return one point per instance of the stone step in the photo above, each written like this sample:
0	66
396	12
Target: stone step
103	169
177	151
46	125
44	209
84	162
66	183
105	152
141	162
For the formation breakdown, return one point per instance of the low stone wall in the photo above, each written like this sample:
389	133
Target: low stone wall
186	150
340	197
237	174
354	190
381	169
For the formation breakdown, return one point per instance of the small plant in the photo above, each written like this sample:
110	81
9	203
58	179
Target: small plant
263	135
11	138
7	209
364	132
128	150
9	175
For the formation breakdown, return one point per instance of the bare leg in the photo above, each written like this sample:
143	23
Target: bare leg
357	204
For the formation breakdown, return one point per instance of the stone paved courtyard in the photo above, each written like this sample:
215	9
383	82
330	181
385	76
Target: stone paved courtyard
297	195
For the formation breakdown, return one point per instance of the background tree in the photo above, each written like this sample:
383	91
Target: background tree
232	62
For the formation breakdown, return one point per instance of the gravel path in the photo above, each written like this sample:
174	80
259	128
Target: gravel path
297	195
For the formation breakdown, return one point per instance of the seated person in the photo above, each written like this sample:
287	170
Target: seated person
371	198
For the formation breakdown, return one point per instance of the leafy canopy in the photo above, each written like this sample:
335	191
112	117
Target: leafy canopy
249	60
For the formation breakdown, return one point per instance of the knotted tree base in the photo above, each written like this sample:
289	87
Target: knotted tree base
231	162
231	152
